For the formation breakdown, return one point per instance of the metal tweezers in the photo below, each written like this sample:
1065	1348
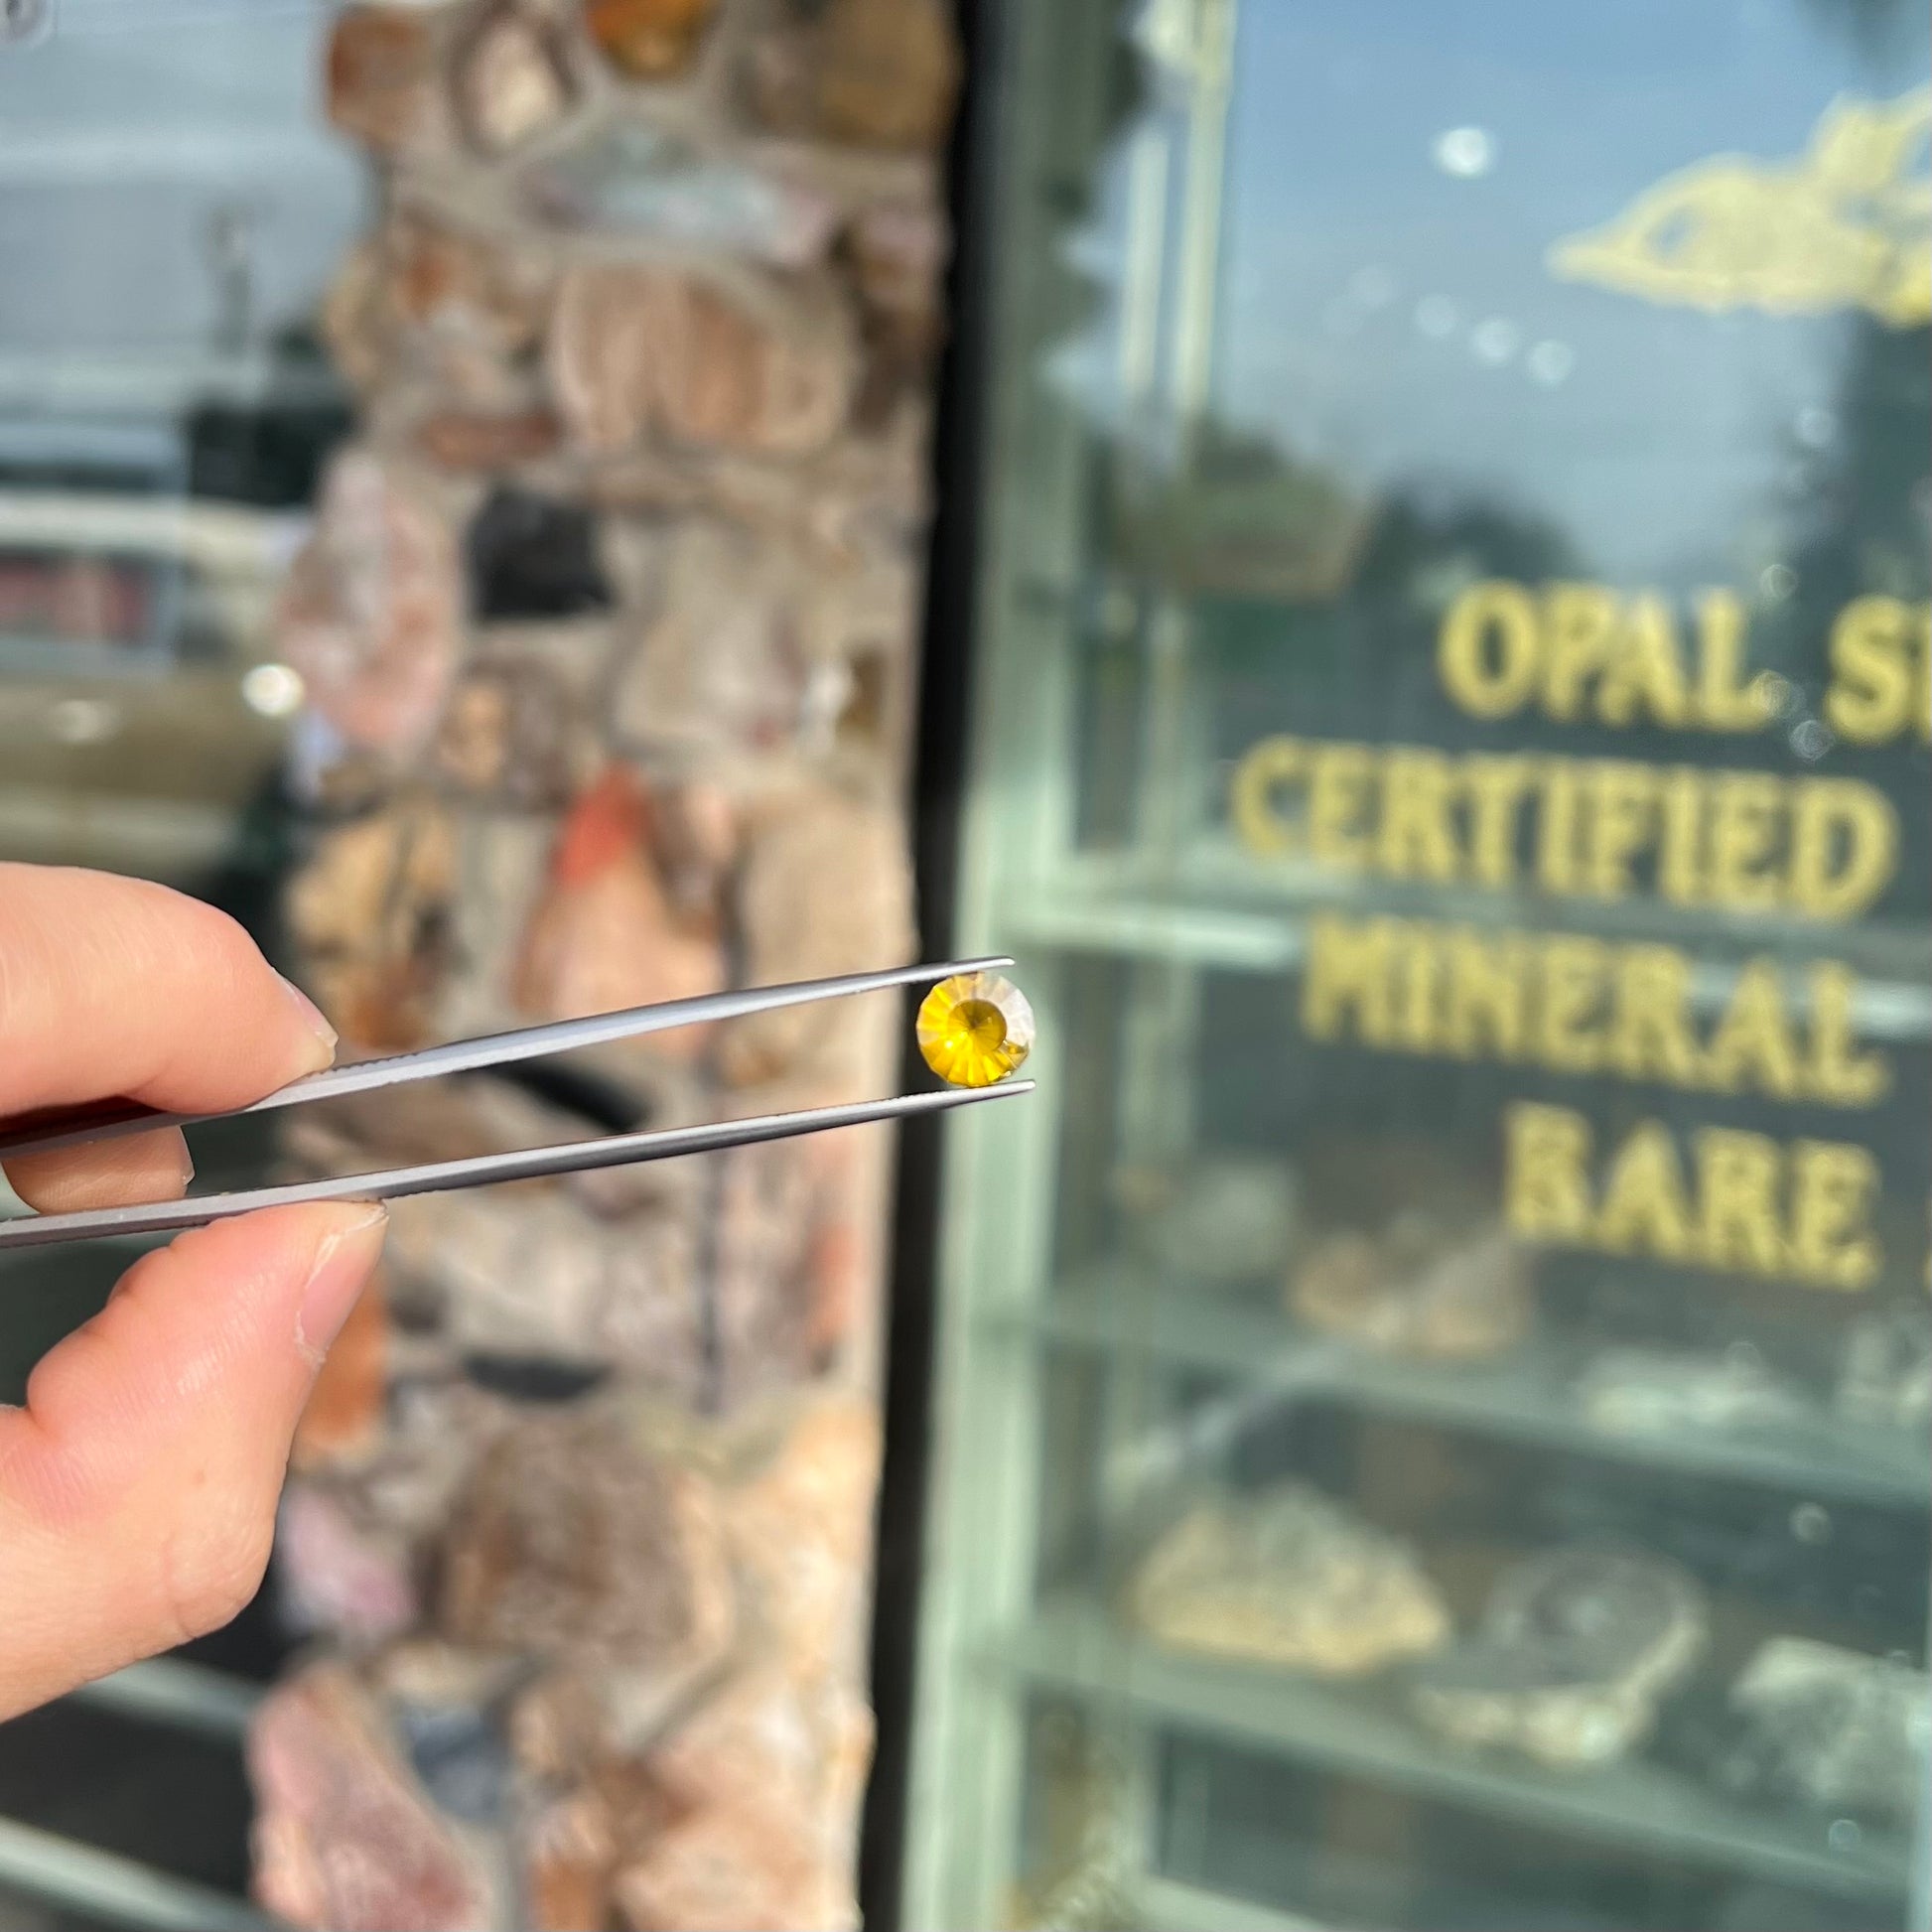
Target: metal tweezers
52	1128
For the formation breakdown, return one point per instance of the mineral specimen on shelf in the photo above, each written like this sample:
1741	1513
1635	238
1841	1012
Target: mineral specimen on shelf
337	1572
1220	1219
648	40
344	1837
825	888
606	934
1642	1391
1575	1650
370	912
569	1539
1884	1377
1420	1287
570	1856
344	1412
975	1028
511	83
639	182
531	556
371	611
381	77
711	362
1831	1730
1285	1576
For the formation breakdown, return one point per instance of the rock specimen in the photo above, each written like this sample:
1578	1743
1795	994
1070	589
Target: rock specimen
877	72
1287	1577
606	934
1641	1391
1227	1220
382	80
648	40
345	1836
1575	1652
1831	1730
371	607
569	1539
532	556
511	83
733	362
1420	1288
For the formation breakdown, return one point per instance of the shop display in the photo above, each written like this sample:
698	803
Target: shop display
1287	1577
1573	1651
1447	754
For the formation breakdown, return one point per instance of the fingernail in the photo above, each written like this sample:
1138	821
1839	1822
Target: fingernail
342	1266
312	1018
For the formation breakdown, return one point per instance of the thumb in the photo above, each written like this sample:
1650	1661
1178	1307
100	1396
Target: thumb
138	1485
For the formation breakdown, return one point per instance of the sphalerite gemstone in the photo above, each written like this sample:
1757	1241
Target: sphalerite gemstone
975	1028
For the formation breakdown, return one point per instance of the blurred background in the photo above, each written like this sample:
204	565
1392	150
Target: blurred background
538	505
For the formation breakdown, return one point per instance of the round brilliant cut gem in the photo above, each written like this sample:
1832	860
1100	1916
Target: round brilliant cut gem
975	1028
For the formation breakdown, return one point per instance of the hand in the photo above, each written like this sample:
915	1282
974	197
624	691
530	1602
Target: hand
138	1485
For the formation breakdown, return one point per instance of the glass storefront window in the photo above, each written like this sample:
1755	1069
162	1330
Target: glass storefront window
1434	1401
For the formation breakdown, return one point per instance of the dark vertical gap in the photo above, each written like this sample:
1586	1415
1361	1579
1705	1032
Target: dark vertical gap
939	780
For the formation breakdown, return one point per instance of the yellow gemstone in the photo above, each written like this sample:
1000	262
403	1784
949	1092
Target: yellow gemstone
975	1028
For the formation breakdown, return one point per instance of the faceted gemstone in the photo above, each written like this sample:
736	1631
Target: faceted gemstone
975	1028
648	39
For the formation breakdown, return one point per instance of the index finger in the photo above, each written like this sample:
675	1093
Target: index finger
115	988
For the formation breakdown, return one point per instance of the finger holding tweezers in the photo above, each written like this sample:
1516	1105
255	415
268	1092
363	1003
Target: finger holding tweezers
61	1127
166	1217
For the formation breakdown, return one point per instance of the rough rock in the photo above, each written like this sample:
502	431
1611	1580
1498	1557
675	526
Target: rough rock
879	73
371	913
382	76
826	889
648	40
344	1413
720	361
606	934
337	1572
371	611
569	1539
513	731
533	556
426	303
1287	1577
512	81
1575	1650
345	1837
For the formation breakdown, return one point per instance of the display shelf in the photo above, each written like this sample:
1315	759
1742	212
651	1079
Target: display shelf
1527	1396
1073	1649
1217	908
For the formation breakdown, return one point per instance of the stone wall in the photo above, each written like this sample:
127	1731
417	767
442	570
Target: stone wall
609	626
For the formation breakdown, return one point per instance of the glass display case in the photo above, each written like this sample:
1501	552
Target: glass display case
1432	1398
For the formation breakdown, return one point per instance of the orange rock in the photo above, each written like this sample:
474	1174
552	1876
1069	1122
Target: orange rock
648	40
605	935
344	1408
